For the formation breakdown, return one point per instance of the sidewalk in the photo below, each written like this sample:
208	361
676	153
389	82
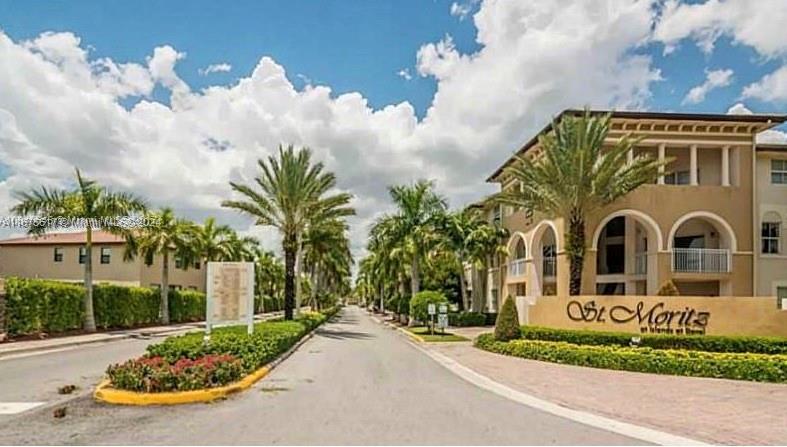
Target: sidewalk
713	410
19	347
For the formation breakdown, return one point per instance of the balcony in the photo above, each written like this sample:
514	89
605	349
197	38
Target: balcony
549	267
701	260
517	267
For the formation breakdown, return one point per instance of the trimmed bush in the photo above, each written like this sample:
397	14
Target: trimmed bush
507	324
754	367
155	374
709	343
419	304
37	306
466	319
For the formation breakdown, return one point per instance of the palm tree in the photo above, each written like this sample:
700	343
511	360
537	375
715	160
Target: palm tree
484	242
577	174
211	240
269	276
457	228
418	210
90	201
290	193
240	248
169	235
327	256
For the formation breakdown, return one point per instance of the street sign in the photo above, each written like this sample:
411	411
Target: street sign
230	295
442	321
430	308
443	309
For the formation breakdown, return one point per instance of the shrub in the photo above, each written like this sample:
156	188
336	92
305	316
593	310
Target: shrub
491	318
668	289
41	306
709	343
755	367
156	374
419	304
507	324
465	319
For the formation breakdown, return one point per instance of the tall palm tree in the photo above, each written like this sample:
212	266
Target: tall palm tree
484	242
577	174
169	235
240	248
89	201
457	228
327	256
290	192
269	276
418	210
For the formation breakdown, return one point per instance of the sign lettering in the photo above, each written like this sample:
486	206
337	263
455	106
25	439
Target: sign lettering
653	319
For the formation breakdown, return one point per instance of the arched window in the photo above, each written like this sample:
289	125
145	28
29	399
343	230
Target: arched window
520	252
771	233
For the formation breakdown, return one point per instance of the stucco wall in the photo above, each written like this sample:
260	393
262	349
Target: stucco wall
771	269
725	315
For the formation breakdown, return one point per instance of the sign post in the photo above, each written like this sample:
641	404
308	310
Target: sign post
442	318
230	295
432	310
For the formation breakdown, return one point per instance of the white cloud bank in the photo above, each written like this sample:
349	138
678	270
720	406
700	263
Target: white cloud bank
59	108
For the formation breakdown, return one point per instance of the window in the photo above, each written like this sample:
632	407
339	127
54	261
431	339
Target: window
779	172
678	178
82	255
781	292
105	253
58	254
770	237
197	265
178	262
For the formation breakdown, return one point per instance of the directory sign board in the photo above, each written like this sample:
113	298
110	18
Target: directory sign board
230	294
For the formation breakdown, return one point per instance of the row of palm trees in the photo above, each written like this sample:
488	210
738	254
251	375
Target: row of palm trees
420	232
576	174
291	193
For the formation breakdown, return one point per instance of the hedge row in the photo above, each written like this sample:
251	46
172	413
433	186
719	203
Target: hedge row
708	343
465	319
40	306
754	367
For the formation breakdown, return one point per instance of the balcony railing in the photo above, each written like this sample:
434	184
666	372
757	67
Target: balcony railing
701	260
640	263
516	267
549	266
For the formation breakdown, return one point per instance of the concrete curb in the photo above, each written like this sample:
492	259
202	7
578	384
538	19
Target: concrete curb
105	393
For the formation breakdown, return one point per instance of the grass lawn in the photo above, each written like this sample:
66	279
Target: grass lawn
423	332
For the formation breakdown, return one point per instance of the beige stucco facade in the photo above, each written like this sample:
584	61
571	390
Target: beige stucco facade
698	225
38	260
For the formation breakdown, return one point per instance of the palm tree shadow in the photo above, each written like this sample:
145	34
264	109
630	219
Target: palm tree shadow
343	335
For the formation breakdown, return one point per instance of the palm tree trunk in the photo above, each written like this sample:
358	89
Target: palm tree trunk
576	252
462	285
290	249
297	273
483	276
163	313
415	276
89	318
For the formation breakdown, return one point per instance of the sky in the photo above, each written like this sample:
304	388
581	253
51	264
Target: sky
172	100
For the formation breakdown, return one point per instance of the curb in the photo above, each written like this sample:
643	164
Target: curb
105	393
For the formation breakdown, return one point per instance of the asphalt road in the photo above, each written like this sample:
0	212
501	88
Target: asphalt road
355	382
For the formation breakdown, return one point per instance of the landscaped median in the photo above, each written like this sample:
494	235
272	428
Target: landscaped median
186	369
759	359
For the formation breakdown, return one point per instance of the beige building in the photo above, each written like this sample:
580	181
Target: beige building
61	256
712	223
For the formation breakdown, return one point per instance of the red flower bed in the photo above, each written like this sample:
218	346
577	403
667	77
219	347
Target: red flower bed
155	374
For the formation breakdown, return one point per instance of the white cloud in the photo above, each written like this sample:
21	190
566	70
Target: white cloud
535	59
772	87
215	68
713	79
404	73
462	10
758	24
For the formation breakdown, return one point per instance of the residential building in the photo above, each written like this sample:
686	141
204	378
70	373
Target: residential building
61	257
712	222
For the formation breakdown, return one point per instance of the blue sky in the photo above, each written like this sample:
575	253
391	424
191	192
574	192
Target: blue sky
136	114
346	45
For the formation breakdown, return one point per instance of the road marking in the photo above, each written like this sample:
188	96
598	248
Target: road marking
604	423
18	407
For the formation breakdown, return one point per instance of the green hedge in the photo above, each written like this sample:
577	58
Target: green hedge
41	306
466	319
708	343
754	367
269	340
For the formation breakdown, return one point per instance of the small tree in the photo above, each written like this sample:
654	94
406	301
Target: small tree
419	304
507	324
668	289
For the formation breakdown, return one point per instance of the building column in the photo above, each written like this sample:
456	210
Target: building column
630	253
725	166
662	158
693	165
630	156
